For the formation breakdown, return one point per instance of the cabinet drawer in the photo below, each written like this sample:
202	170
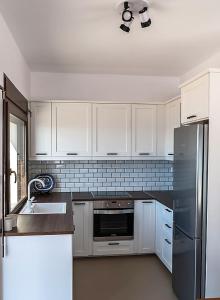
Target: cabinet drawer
167	231
167	215
167	253
113	248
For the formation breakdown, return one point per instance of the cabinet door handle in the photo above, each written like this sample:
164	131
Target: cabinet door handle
167	241
170	154
79	203
40	153
147	202
191	117
168	210
112	153
168	226
72	153
113	244
144	153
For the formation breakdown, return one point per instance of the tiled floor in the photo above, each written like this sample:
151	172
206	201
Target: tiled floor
121	278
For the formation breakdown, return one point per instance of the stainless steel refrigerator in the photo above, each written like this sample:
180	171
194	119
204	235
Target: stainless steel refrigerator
190	193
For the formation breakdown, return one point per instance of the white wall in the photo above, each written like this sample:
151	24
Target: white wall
211	62
64	86
14	66
213	223
12	62
0	191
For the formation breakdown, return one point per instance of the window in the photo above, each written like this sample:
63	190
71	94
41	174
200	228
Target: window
18	168
15	147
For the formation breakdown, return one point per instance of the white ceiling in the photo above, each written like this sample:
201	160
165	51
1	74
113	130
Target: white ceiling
84	36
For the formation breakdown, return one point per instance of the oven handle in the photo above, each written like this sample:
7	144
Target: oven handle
112	212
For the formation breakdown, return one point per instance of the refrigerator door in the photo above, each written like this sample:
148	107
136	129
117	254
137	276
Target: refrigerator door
188	178
186	266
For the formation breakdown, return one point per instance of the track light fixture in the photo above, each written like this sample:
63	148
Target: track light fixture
144	17
128	9
127	18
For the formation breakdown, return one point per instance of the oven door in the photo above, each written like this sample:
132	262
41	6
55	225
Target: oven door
117	224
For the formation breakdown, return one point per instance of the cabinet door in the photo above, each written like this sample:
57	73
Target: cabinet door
112	130
71	129
195	100
40	130
83	234
144	130
159	230
145	226
172	122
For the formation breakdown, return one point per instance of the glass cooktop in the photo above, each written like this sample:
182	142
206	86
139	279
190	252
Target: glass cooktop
111	195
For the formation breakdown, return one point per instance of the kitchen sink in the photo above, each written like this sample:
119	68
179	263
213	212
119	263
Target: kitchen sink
44	208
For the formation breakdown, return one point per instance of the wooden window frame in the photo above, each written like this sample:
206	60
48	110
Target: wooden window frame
13	103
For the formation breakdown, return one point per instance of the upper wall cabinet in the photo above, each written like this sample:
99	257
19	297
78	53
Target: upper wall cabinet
172	122
195	100
40	130
144	120
71	129
112	130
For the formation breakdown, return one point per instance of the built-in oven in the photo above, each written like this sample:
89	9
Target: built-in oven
113	220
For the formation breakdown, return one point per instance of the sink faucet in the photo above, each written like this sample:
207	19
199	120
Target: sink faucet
29	200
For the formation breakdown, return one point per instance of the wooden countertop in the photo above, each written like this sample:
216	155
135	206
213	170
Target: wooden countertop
164	197
53	224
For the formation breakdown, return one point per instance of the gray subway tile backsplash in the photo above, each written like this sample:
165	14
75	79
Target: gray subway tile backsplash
92	175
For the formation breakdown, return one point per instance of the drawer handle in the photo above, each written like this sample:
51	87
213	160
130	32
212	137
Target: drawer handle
39	153
79	203
147	202
113	244
171	154
142	153
112	153
168	226
70	153
191	117
168	210
167	241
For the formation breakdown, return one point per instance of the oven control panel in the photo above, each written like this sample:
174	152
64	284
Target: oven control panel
113	204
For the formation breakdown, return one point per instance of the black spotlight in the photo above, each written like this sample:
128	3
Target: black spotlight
127	17
144	17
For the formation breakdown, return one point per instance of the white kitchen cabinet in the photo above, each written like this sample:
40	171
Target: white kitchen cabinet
71	130
164	234
144	130
144	226
109	248
38	267
112	130
161	130
40	130
83	222
172	122
195	99
159	232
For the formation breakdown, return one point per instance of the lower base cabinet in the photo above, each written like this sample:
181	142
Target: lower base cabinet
83	234
144	226
113	248
38	267
164	234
